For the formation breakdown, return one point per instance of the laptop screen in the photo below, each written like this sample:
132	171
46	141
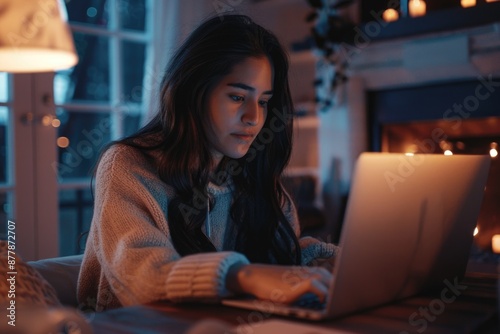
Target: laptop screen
408	226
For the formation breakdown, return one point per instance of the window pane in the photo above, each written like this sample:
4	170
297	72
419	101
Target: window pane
132	14
75	216
89	79
4	88
133	58
88	11
5	213
81	137
4	163
62	84
131	124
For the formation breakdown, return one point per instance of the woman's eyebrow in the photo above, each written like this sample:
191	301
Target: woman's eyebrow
249	88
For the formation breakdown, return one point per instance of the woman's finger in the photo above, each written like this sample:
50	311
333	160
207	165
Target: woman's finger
319	273
314	286
319	289
325	275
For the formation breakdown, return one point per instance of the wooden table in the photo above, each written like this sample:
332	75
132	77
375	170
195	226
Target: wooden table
475	310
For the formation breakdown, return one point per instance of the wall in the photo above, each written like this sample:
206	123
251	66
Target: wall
327	150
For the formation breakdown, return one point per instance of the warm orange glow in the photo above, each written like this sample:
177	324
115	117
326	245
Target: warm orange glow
492	0
35	37
46	60
390	15
63	142
495	243
468	3
448	152
493	150
46	120
56	123
416	8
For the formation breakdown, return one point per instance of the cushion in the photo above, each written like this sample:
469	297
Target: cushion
28	285
62	274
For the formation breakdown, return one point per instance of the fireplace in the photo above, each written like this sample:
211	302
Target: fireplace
433	93
434	119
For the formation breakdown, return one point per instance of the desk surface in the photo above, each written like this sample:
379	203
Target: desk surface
475	310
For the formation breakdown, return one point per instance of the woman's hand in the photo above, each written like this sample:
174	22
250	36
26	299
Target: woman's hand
281	284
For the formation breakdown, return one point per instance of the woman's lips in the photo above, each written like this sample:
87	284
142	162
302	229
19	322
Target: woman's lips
243	136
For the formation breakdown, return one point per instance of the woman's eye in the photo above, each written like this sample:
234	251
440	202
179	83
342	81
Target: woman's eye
263	103
236	98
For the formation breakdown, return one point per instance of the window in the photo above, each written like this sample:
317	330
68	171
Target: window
99	100
48	151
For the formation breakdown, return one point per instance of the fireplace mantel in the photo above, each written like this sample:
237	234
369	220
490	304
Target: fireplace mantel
404	62
427	59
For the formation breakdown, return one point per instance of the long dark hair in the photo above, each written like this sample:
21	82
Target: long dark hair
261	229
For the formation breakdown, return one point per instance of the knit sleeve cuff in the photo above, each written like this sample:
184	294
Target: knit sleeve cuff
201	276
313	249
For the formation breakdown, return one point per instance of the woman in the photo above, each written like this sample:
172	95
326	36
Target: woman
191	207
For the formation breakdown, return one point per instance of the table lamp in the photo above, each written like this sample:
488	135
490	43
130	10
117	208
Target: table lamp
35	37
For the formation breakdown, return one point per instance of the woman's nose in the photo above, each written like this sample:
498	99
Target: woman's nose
251	114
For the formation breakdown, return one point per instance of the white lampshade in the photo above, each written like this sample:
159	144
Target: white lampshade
34	36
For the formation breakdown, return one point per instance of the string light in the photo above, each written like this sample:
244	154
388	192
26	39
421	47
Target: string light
493	150
63	142
468	3
390	15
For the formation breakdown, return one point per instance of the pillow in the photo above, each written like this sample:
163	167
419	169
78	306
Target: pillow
27	284
62	274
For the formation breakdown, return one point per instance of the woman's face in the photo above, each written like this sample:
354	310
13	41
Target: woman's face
237	108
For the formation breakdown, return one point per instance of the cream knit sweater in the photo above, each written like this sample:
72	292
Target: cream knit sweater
130	258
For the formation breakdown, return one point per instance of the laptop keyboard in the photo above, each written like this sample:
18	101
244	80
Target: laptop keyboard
310	301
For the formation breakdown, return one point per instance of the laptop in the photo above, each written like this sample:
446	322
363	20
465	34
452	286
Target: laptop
408	227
